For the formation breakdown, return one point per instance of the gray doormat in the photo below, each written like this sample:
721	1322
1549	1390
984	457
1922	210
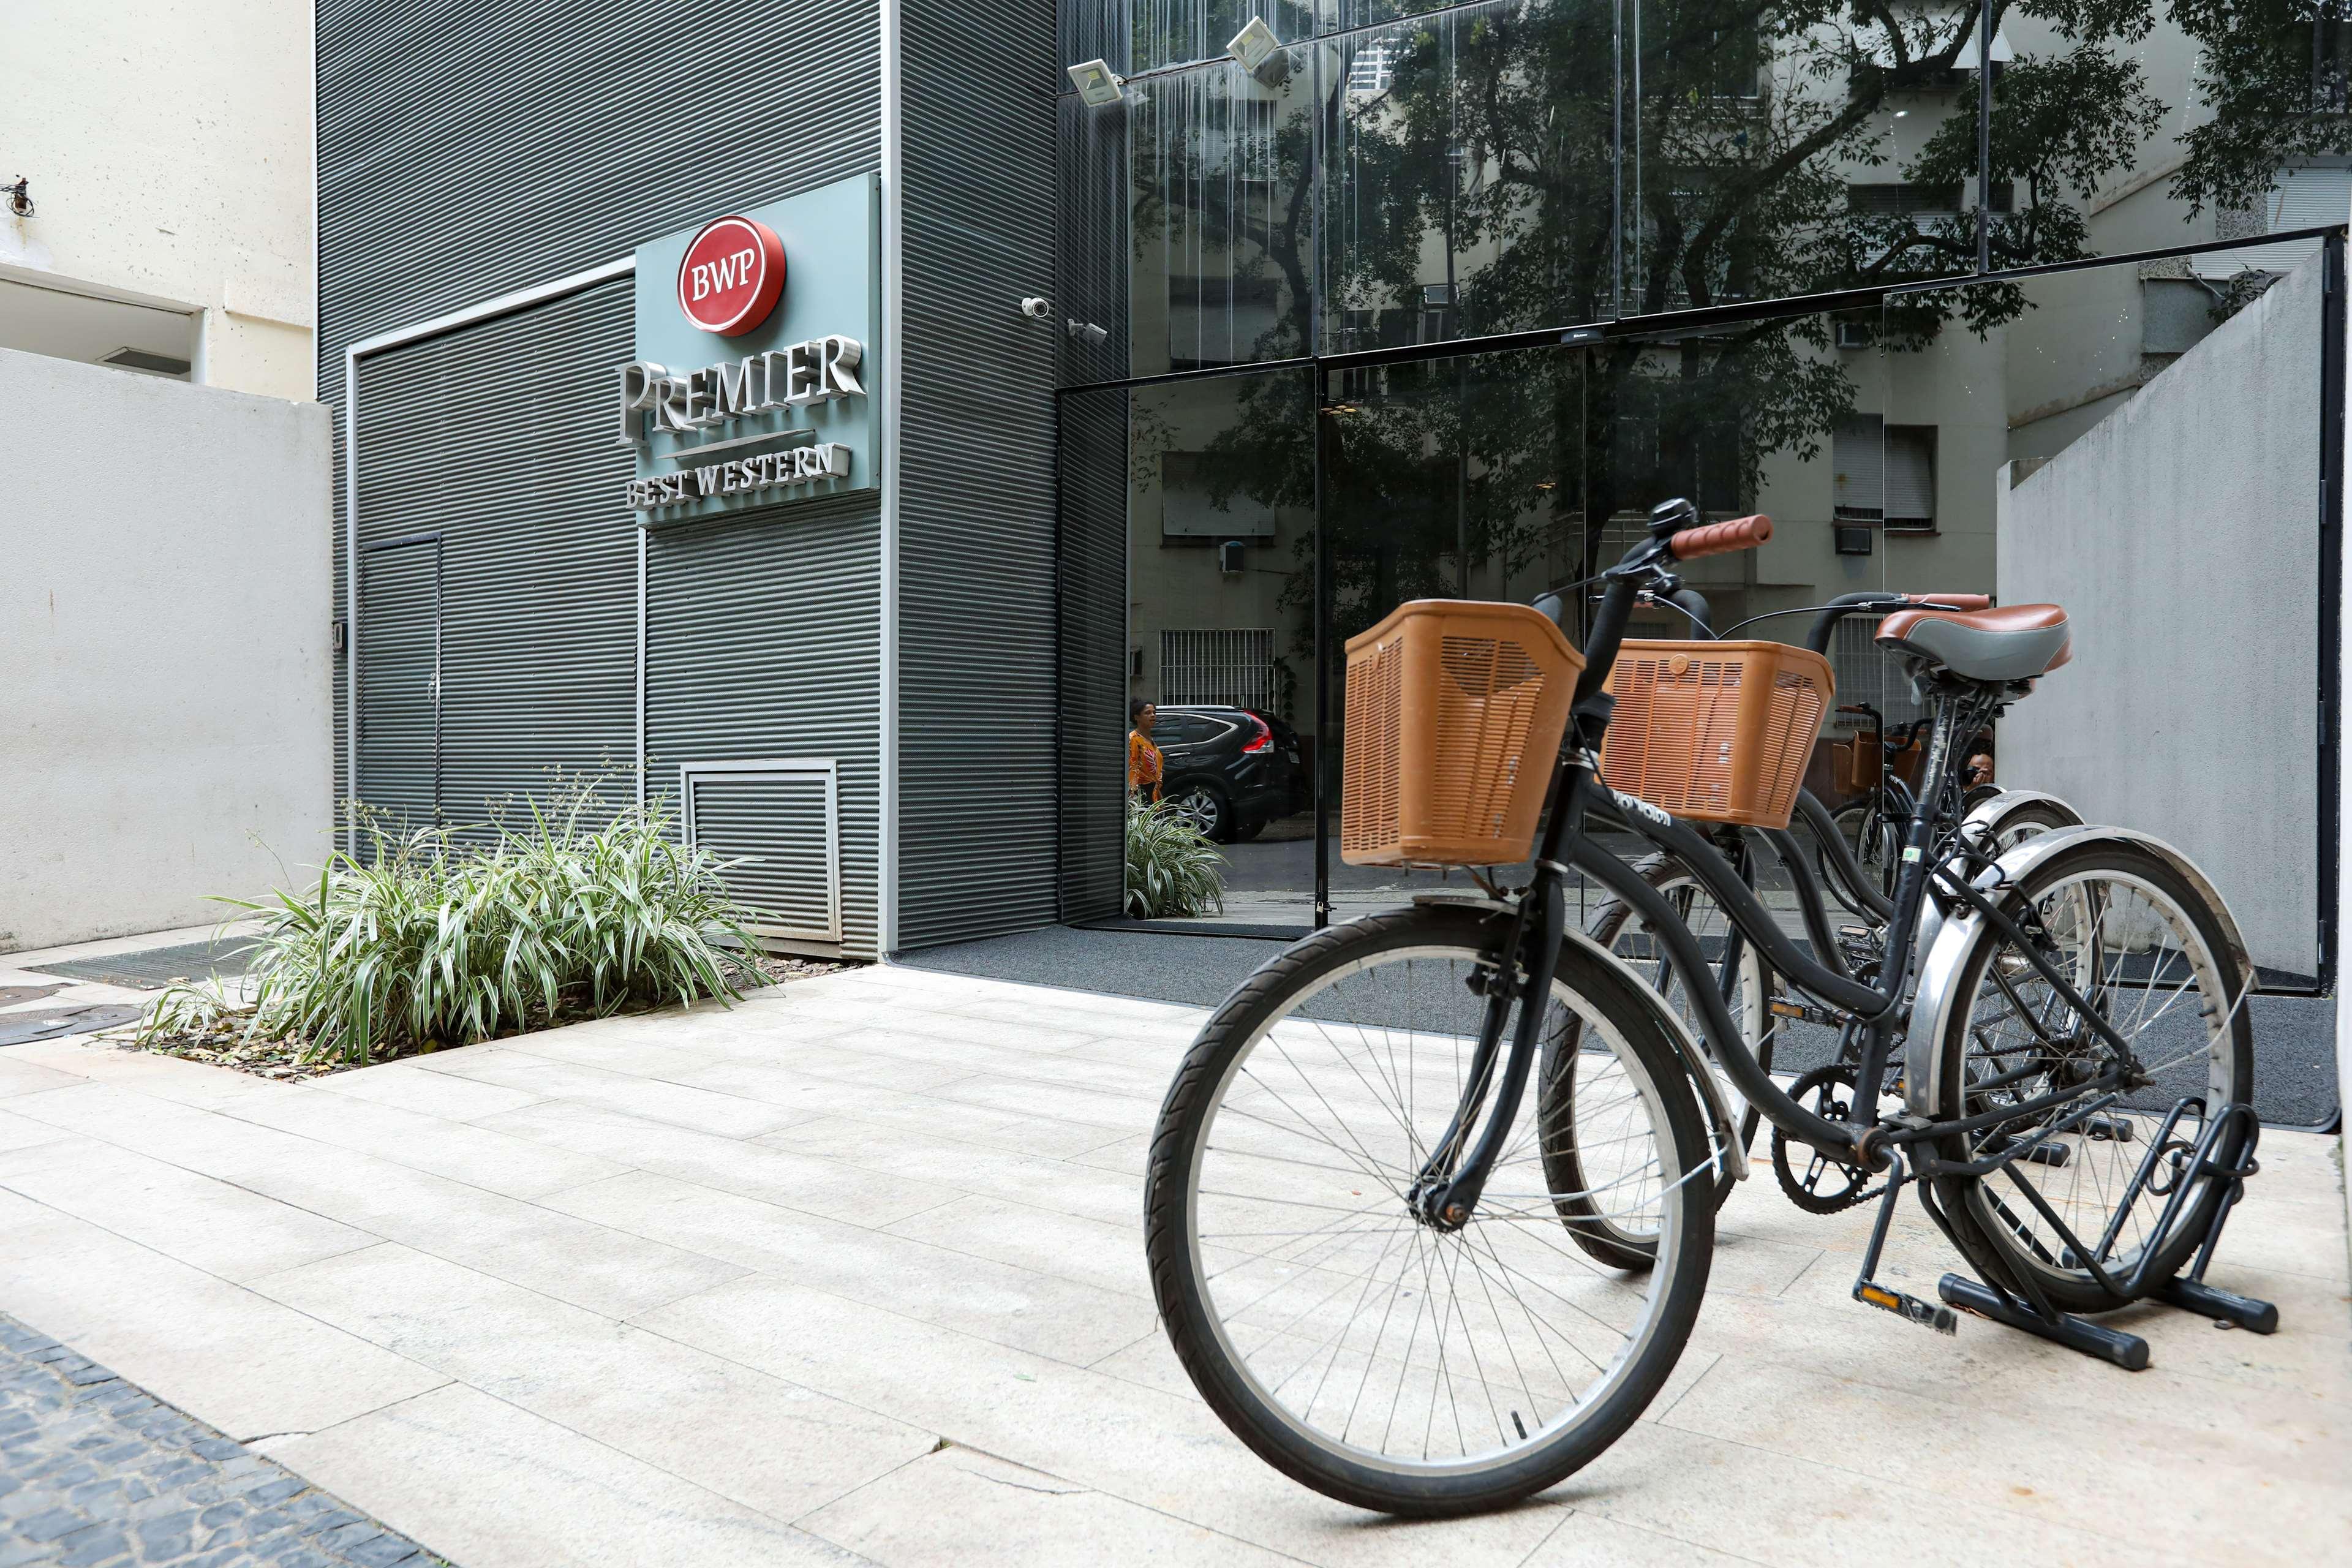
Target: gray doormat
156	967
55	1023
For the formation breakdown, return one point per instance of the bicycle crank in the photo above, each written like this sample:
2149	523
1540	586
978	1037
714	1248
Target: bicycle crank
1824	1185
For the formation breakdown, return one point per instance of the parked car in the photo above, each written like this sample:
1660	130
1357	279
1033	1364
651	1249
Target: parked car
1229	770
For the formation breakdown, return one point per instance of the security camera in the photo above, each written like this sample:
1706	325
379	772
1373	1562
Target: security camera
1088	330
1035	309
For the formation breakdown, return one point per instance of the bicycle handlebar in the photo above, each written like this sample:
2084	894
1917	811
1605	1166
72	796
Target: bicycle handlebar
1720	538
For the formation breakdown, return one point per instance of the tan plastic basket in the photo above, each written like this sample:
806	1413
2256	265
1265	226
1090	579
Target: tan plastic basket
1718	731
1455	709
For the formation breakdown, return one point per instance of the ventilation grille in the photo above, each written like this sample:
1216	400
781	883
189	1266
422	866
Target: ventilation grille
780	818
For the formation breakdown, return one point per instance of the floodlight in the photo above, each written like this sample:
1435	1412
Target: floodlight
1253	45
1098	84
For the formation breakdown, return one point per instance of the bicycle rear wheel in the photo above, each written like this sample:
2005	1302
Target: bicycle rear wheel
1363	1353
2143	946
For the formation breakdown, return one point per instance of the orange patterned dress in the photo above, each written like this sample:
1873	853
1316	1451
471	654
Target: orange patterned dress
1144	767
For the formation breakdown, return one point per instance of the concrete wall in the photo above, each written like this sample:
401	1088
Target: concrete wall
164	650
2180	533
168	149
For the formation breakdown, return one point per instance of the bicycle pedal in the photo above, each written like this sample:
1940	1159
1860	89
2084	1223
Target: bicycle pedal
1909	1307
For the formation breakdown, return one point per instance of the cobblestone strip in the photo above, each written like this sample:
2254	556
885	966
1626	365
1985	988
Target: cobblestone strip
95	1472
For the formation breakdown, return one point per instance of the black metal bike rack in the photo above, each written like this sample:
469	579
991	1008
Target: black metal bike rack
2026	1307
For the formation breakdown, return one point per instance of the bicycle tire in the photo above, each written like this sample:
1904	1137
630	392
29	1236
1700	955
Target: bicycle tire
2012	1240
1234	1387
1607	926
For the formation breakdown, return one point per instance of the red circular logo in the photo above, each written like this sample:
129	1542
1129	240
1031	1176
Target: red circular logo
731	277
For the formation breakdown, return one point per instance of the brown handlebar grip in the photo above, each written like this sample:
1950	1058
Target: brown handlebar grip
1720	538
1951	600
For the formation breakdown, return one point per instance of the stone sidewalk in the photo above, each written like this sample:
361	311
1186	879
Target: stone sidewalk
853	1271
95	1473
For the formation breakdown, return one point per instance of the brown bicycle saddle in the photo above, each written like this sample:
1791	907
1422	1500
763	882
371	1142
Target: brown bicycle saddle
2012	642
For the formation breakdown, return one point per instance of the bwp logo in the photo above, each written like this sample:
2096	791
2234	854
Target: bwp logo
731	277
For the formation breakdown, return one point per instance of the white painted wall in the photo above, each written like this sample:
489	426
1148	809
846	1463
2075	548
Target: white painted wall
169	151
166	647
2182	533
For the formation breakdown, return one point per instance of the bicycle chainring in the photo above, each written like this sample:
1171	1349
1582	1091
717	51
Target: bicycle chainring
1824	1185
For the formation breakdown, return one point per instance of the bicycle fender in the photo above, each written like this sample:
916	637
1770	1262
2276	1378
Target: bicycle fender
1932	1004
1693	1057
1982	826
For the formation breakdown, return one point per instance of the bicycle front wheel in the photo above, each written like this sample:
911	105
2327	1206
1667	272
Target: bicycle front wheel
1374	1357
2140	944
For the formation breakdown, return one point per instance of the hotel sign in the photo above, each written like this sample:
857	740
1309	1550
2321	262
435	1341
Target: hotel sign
753	380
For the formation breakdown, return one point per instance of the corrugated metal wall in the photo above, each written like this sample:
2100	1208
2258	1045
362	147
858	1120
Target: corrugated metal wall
466	153
499	438
976	622
759	644
1092	285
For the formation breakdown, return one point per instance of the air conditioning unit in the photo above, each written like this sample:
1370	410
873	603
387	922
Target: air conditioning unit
1857	335
1852	538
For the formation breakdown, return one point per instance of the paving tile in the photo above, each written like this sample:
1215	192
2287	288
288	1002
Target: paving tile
23	1132
968	1167
241	1361
1162	1452
1091	1251
766	1444
210	1224
22	1077
772	1172
162	1077
1977	1451
525	1244
488	1483
490	1160
1026	1307
652	1098
970	1508
406	1087
1588	1541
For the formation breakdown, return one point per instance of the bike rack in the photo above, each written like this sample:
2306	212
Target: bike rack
2026	1309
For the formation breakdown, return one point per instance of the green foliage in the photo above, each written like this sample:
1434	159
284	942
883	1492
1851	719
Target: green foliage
1172	869
423	941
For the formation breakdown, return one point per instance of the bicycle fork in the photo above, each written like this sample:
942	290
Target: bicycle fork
1446	1193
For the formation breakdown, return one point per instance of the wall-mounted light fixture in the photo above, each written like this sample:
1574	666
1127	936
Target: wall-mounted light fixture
1253	45
1257	51
1098	84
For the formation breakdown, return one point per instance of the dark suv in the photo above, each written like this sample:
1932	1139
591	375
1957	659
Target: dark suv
1231	770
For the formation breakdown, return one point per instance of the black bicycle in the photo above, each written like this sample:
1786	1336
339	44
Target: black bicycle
1997	820
1430	1205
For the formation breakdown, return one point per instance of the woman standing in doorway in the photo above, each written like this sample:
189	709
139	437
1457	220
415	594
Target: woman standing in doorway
1145	765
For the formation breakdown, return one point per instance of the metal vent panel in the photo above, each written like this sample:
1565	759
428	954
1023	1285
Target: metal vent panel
780	820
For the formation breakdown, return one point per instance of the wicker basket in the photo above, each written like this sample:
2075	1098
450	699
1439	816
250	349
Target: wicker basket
1718	731
1857	763
1455	713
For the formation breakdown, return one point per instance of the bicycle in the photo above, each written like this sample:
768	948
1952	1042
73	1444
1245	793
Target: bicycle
1997	820
1349	1160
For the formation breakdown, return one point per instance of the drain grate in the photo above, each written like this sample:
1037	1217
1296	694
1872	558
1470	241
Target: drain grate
157	967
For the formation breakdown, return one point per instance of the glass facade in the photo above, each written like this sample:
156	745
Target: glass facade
1438	300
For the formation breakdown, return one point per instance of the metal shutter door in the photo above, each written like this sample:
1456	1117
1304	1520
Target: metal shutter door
400	689
763	639
781	820
499	437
